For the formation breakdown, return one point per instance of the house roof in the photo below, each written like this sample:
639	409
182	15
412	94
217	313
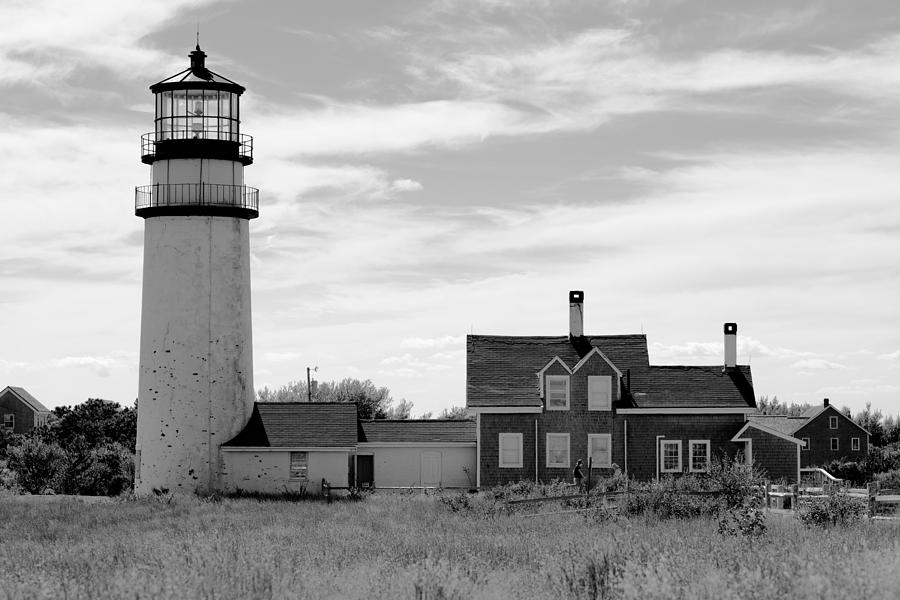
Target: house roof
765	426
813	412
25	397
781	423
384	431
695	386
501	370
299	425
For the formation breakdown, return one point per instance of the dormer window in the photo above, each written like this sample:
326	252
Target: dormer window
599	392
557	392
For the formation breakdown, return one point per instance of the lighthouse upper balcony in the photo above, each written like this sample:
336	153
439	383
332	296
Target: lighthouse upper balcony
185	199
196	140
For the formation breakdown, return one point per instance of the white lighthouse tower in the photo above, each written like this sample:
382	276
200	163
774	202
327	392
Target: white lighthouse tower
196	364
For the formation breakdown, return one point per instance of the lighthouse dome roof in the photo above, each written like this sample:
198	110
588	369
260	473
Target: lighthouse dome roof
197	76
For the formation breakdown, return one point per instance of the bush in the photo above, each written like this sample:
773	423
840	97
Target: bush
747	520
836	508
855	473
38	465
889	480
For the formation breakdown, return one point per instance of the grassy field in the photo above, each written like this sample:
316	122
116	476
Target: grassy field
414	547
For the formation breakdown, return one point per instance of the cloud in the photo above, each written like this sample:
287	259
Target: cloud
816	364
100	365
715	351
406	185
890	356
46	41
437	342
282	356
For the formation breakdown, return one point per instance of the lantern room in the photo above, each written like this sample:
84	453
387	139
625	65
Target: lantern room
197	115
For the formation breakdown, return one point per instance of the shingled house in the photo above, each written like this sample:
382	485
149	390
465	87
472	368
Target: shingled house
20	411
541	403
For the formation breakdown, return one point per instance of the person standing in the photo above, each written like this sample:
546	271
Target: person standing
578	476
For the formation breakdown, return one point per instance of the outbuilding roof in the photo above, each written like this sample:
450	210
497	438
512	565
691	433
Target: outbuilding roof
23	395
299	425
405	431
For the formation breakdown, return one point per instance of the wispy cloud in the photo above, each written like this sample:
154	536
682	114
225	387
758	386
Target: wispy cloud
436	342
816	364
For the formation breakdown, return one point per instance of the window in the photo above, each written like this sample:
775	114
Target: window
299	466
671	456
510	450
9	421
600	450
699	456
834	443
854	443
557	449
599	392
805	444
557	392
832	422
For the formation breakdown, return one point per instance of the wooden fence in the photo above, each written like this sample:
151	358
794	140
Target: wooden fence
879	502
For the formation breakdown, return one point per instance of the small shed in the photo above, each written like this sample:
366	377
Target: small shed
291	447
769	442
416	453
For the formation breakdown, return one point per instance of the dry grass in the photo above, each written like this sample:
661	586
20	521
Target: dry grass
413	547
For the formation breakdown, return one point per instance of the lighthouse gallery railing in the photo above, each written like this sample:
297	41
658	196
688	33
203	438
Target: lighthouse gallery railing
196	194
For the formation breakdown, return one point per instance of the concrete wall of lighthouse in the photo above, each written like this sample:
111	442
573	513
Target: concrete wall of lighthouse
196	373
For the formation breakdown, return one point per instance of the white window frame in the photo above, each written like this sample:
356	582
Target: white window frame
9	421
547	451
691	455
662	455
518	442
832	422
568	383
606	382
299	473
854	444
608	437
805	444
835	444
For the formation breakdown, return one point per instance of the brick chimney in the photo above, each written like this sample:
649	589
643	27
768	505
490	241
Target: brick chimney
576	313
826	402
730	345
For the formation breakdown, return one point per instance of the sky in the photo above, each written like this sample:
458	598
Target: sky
433	168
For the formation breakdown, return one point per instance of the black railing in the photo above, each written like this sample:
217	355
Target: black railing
153	143
161	195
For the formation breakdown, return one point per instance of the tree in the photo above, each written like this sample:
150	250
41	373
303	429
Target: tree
455	413
371	402
871	421
93	423
401	410
774	407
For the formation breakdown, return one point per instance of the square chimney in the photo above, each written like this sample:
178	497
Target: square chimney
576	313
730	345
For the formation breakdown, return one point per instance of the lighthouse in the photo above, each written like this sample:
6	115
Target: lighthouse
196	352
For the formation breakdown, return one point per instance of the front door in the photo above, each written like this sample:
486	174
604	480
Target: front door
431	469
365	470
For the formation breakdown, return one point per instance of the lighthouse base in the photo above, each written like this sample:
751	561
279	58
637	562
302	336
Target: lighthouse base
196	358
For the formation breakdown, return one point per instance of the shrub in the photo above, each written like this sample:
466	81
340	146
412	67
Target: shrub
736	480
9	483
836	508
747	520
852	472
38	465
889	480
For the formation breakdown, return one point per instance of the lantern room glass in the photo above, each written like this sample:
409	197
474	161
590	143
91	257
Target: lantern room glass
197	113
